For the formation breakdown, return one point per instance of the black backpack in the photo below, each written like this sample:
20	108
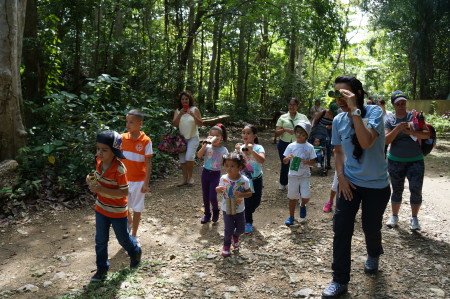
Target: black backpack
428	144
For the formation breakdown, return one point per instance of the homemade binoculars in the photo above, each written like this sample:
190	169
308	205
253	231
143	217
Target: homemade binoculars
335	94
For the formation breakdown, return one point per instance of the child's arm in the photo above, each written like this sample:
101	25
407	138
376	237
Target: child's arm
148	174
220	189
288	158
259	157
201	151
309	162
247	193
98	188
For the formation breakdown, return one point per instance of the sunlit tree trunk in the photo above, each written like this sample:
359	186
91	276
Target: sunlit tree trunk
241	67
12	132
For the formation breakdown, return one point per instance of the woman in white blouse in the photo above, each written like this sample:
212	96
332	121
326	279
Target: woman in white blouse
187	119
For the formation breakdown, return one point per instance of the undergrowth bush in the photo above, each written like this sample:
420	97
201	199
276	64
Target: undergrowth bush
61	147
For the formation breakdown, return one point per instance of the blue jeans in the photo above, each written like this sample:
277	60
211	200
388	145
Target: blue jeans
102	225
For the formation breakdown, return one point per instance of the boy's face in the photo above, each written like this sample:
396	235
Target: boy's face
104	152
133	124
316	141
301	135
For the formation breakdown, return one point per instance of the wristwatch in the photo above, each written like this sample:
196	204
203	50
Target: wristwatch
357	112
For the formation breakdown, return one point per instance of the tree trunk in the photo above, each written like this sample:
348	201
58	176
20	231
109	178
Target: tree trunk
12	132
187	47
212	67
32	81
118	39
201	96
217	75
240	90
190	83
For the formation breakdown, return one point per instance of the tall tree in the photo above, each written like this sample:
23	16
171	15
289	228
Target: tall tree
12	132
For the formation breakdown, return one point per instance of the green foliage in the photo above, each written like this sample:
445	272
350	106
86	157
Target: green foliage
441	123
63	144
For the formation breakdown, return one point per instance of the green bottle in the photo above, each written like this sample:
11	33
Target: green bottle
295	163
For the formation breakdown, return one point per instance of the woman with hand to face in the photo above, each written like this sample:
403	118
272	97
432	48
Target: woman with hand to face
358	139
187	118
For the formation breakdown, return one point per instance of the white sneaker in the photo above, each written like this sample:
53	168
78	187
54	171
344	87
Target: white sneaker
136	240
414	223
392	222
281	187
318	165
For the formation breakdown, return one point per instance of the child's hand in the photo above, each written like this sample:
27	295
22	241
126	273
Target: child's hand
145	188
291	156
220	189
249	147
238	194
94	187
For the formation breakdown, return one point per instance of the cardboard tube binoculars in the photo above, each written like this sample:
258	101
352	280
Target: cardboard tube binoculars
335	94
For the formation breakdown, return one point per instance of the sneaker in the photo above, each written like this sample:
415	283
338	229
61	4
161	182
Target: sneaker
248	228
414	224
235	242
281	187
302	212
215	216
100	275
289	221
371	265
205	219
136	240
318	165
328	207
226	251
334	290
135	261
392	222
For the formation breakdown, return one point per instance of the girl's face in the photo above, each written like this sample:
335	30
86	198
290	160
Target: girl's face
104	152
232	168
316	142
341	101
184	100
218	135
301	135
292	106
248	136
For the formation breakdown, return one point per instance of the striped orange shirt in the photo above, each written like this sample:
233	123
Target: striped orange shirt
136	151
114	178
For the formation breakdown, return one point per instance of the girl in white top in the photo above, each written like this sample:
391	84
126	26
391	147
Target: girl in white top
187	118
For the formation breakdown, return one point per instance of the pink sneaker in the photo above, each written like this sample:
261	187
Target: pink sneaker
226	251
235	242
328	207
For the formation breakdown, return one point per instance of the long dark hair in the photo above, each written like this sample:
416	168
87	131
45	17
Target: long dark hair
357	88
221	129
254	131
190	97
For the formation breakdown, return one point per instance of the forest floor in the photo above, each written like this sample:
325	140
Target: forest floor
51	255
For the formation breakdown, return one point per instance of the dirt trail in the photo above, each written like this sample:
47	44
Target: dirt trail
53	253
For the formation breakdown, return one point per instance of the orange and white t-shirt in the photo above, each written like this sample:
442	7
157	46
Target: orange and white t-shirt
135	152
114	178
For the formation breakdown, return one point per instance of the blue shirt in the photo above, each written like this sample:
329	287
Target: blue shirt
371	169
214	157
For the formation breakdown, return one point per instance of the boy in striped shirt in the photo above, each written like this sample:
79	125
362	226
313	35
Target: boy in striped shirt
111	186
137	148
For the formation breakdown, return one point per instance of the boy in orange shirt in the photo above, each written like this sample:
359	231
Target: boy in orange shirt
137	148
109	182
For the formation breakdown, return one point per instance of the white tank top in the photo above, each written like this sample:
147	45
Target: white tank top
187	125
